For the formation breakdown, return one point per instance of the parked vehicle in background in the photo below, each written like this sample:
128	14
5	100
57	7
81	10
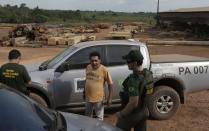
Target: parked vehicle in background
20	113
59	82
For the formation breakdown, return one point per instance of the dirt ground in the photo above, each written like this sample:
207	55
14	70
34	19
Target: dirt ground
4	31
30	55
193	116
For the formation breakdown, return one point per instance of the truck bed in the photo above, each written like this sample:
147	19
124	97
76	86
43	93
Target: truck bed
176	58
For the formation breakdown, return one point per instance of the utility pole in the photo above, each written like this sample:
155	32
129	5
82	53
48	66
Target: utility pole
158	19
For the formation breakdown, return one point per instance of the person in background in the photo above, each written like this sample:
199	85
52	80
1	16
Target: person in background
96	76
13	74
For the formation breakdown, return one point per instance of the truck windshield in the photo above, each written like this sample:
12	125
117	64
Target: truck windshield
60	56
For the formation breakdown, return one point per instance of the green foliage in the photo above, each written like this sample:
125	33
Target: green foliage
40	19
23	14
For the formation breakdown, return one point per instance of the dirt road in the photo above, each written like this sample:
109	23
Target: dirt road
193	116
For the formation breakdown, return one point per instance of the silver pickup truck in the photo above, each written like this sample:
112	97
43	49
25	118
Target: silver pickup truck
59	82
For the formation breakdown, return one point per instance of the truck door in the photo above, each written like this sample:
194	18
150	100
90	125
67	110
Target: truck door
117	66
68	85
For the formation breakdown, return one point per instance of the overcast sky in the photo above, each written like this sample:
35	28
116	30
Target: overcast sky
114	5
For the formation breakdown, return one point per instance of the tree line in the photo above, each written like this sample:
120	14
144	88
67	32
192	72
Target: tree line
23	14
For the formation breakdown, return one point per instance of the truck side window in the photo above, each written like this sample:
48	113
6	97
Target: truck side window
80	59
115	52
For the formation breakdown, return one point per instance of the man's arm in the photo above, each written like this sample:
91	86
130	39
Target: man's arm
110	86
132	104
84	89
26	76
109	98
0	75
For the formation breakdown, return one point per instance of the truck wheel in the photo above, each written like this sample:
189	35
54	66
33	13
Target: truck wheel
163	103
38	99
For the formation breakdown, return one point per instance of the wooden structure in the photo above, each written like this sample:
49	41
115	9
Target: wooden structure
193	20
120	34
192	17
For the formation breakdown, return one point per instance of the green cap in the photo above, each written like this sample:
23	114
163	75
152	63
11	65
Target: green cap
133	55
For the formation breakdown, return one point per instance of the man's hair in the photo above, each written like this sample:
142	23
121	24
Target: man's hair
94	54
14	54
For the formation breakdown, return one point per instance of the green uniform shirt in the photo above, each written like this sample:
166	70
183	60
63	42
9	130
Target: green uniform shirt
15	76
134	85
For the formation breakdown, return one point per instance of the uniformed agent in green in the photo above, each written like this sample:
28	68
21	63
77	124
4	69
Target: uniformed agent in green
13	74
133	115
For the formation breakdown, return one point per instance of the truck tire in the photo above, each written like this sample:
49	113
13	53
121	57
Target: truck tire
38	99
163	103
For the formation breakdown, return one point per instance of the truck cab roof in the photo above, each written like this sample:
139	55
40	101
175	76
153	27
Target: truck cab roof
109	42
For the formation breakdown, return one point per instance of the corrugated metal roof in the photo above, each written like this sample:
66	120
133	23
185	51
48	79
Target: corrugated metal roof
196	9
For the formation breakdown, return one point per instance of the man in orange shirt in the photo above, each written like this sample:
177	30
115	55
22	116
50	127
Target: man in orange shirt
96	76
